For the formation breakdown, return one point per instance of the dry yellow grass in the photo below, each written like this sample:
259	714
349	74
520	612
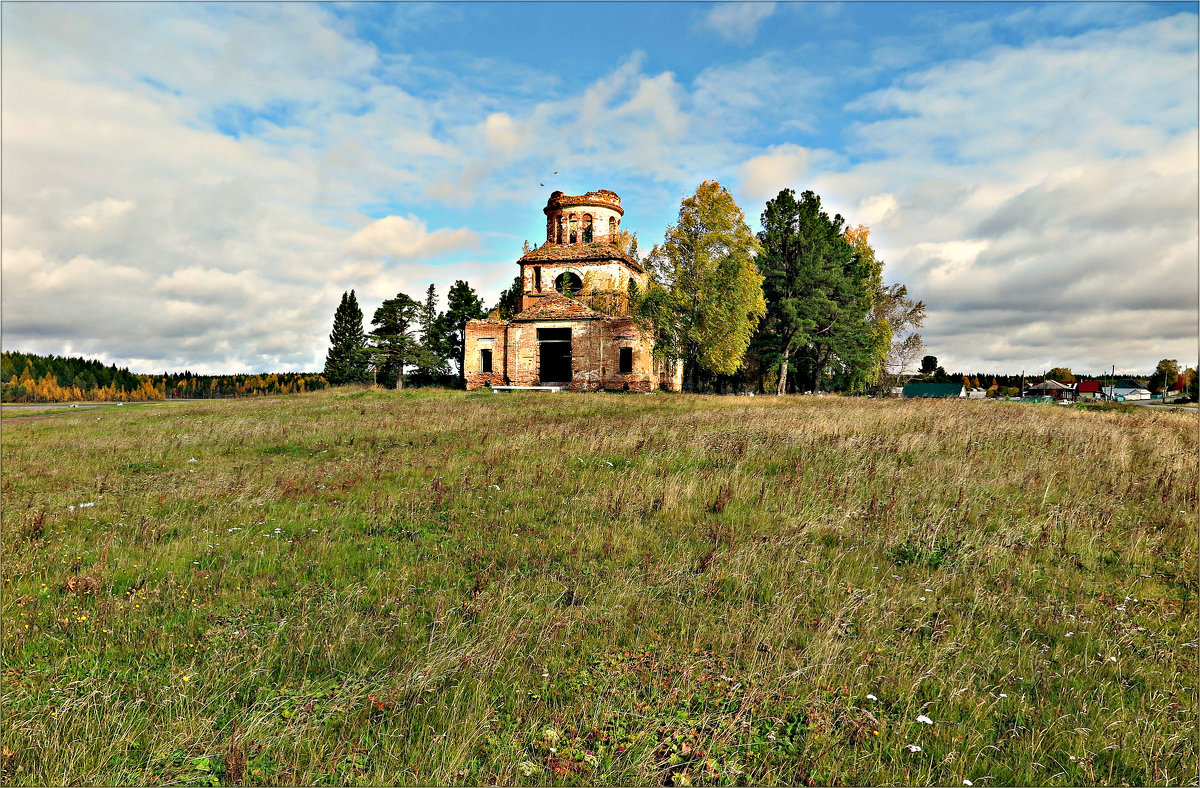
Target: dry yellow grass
364	587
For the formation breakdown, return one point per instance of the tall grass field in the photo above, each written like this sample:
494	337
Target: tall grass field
366	587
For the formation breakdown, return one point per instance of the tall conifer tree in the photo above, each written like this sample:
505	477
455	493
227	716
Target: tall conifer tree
394	340
462	304
348	360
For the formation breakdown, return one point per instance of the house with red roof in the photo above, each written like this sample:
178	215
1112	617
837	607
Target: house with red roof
1087	390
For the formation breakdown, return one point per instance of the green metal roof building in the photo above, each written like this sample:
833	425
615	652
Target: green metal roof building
934	390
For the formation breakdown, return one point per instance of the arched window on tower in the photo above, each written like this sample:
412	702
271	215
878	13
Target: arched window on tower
612	229
572	225
587	228
568	283
561	222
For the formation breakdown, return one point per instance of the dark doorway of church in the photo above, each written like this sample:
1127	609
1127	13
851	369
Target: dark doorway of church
554	354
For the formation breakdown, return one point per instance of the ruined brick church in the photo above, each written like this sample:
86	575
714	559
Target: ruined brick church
573	327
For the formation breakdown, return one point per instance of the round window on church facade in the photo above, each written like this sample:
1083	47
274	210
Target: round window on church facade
568	283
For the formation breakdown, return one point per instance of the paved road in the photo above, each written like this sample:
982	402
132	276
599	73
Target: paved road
1160	406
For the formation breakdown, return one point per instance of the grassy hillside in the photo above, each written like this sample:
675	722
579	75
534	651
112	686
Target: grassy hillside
367	587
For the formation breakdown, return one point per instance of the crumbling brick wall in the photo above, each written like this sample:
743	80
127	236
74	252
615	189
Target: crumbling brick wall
595	354
485	335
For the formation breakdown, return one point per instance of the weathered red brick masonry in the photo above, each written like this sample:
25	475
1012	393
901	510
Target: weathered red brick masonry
574	327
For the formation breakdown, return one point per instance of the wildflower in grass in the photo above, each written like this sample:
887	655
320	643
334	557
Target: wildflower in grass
912	748
528	768
967	782
551	735
924	719
193	459
871	697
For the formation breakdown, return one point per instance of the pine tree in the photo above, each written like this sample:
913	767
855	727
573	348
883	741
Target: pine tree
348	358
393	340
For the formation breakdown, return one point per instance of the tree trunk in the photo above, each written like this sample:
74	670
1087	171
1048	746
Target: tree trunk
783	369
822	360
400	378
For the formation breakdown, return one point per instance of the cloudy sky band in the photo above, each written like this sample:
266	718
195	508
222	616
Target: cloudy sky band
193	186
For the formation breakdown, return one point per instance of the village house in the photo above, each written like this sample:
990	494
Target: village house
574	328
1087	390
1125	391
1050	388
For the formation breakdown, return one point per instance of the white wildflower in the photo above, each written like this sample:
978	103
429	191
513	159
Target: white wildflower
871	697
924	719
967	782
913	748
193	459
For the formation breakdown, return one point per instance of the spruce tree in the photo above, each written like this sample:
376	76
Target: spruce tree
431	367
348	358
462	304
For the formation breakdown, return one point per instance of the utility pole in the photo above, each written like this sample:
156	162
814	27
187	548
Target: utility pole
1021	390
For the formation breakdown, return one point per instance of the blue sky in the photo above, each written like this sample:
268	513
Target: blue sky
194	185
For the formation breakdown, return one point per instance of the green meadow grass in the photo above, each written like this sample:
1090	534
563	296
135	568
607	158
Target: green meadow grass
359	587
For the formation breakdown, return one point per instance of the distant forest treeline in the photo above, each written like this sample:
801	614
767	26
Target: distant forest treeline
185	385
27	377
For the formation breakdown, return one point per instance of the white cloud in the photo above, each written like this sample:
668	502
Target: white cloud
737	22
1041	200
1057	177
783	166
405	238
100	214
